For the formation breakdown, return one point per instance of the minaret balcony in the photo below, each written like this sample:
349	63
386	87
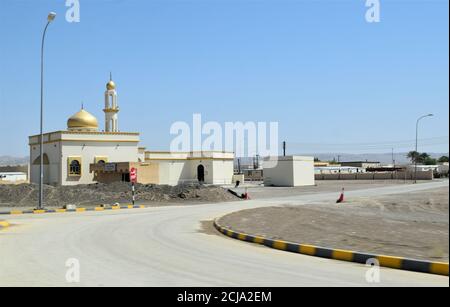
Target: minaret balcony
111	110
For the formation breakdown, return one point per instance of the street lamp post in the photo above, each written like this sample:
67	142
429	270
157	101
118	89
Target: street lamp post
417	140
51	16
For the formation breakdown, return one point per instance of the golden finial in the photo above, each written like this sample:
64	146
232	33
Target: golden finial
110	85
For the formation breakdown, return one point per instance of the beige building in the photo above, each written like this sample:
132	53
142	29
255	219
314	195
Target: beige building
209	167
82	154
68	154
289	171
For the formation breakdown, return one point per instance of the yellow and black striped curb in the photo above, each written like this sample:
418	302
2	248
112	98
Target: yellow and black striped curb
438	268
3	224
77	210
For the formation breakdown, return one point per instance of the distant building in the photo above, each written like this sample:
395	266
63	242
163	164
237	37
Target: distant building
423	168
338	170
253	174
443	169
13	177
23	169
362	164
322	164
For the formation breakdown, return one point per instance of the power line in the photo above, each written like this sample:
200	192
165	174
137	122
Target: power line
374	145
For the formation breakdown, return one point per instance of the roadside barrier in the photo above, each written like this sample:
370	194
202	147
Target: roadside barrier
3	224
439	268
77	210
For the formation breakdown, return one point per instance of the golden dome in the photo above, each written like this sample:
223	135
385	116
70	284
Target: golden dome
82	120
110	85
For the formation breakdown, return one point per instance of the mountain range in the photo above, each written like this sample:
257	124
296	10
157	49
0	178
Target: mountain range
12	161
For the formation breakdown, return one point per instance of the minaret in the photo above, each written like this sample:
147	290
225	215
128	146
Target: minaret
111	108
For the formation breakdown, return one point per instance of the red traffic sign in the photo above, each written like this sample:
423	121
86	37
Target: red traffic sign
133	174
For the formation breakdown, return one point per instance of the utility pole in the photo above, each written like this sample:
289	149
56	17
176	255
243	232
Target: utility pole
417	141
256	162
51	16
393	159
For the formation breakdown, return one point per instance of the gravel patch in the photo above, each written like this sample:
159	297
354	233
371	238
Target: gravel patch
413	225
26	195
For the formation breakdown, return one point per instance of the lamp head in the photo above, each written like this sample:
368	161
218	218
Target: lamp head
51	16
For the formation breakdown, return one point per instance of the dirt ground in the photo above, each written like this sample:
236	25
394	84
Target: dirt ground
26	195
414	225
322	186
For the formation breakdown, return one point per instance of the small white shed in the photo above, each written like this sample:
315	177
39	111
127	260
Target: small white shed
13	176
289	171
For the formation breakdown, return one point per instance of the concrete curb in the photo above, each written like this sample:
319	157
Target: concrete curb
78	210
439	268
4	224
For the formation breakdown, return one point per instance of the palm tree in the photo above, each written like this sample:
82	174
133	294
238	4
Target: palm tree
417	157
424	157
443	159
413	156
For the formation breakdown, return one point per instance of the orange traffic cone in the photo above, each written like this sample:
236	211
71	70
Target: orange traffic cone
246	196
341	197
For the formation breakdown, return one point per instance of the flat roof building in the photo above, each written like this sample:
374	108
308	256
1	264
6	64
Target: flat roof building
13	177
289	171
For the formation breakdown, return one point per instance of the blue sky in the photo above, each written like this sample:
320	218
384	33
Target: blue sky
317	67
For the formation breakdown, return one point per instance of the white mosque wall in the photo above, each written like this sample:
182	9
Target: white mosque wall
51	169
180	167
100	136
88	151
173	172
50	174
60	146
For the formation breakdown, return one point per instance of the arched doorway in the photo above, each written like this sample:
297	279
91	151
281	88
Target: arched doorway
45	161
45	169
201	173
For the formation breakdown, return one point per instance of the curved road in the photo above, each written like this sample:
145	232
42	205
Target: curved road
164	246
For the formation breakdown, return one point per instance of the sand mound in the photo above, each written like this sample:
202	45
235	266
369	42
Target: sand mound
94	194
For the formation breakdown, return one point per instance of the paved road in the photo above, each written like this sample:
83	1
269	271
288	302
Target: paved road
164	246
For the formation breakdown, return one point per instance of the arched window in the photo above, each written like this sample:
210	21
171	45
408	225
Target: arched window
100	160
75	168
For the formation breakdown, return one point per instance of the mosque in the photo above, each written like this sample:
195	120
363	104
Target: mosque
82	154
